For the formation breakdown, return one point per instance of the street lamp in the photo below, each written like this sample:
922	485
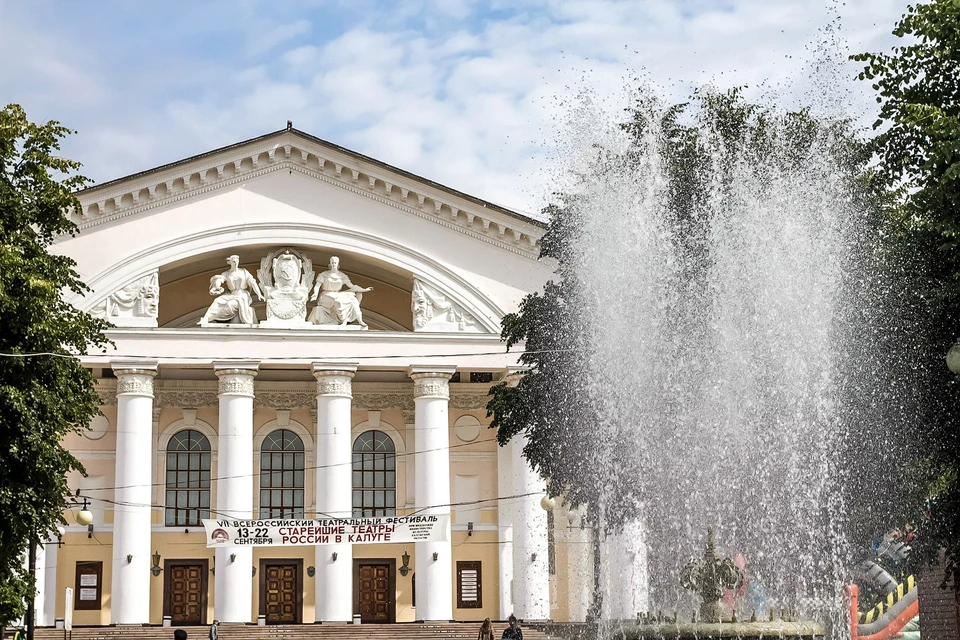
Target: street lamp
953	358
547	503
84	516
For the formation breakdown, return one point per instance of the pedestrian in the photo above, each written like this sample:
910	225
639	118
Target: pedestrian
486	630
179	634
213	630
513	631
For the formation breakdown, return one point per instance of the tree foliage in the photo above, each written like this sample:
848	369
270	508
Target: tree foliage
42	397
918	146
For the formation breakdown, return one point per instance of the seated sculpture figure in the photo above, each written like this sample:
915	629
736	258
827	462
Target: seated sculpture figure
338	299
233	302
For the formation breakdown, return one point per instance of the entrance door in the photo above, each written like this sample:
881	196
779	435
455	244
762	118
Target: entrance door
374	594
281	591
185	591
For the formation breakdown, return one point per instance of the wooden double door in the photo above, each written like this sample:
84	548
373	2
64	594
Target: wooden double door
281	590
185	591
374	590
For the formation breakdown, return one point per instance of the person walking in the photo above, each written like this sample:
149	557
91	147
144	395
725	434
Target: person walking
213	630
513	632
486	630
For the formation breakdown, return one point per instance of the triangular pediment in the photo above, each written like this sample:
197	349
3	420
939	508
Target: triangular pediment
292	150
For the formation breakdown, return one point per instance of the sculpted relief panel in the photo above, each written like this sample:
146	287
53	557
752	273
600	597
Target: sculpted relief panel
433	312
134	305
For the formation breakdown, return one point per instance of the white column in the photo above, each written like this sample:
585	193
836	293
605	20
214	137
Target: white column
625	573
531	575
233	584
334	488
579	577
46	603
431	393
505	530
130	584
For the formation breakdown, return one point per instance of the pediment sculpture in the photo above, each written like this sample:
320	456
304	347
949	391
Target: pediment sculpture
134	305
338	299
285	276
233	304
432	311
285	279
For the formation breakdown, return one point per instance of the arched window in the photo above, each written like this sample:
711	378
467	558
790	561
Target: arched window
281	475
188	479
374	475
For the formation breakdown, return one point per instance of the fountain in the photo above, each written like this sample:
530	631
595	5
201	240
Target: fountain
711	249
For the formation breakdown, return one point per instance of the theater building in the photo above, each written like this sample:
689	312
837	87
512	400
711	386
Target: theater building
357	386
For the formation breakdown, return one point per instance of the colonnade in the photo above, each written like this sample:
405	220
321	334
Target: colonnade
334	566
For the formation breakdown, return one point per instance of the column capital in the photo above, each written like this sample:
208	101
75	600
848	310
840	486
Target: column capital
431	381
334	378
236	378
135	377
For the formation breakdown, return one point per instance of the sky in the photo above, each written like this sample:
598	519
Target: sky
478	96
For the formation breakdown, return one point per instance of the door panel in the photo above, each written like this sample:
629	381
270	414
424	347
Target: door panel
281	591
374	597
186	592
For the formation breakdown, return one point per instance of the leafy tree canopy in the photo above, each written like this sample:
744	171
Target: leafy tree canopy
42	397
918	88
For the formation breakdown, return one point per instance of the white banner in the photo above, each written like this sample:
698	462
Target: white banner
286	533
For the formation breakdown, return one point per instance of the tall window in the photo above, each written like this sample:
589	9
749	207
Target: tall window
374	475
188	479
281	475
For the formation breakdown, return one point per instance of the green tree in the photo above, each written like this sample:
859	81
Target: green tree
918	88
42	397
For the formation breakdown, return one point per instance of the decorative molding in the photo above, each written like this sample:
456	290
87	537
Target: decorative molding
193	398
129	197
107	390
379	401
135	382
284	400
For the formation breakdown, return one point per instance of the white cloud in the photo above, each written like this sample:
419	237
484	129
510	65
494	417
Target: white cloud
473	95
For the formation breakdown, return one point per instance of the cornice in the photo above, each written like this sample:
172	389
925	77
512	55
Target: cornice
127	198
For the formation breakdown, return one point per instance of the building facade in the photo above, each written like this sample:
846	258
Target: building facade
303	331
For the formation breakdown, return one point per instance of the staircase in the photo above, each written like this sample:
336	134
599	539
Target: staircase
407	631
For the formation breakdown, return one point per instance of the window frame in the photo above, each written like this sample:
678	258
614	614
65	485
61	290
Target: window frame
378	459
268	472
194	514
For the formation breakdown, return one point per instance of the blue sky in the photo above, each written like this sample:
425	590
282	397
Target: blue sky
476	95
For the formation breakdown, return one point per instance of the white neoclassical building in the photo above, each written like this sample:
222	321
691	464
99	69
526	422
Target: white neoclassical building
303	330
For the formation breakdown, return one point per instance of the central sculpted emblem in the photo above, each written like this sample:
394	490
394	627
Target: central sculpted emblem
286	276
